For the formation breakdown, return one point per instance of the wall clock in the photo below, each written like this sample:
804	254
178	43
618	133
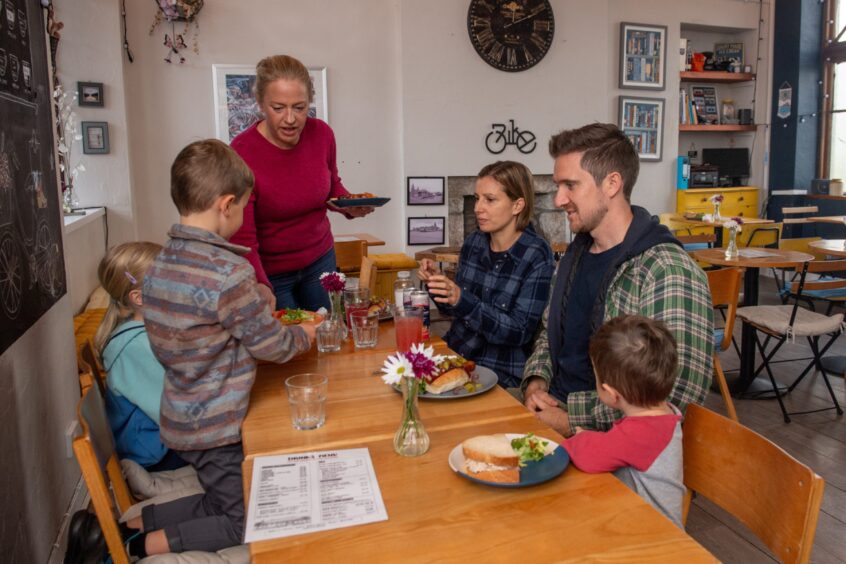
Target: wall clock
511	35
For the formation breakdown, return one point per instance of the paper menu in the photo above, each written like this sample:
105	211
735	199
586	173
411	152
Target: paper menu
292	494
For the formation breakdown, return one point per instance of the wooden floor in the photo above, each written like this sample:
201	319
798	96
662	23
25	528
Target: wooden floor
818	440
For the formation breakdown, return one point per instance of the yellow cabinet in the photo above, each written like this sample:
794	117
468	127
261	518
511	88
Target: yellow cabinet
741	201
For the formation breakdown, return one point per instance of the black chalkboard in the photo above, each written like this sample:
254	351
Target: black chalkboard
32	272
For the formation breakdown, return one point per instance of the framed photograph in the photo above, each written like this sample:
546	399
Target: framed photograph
426	230
426	190
235	103
725	53
90	94
643	52
95	137
642	121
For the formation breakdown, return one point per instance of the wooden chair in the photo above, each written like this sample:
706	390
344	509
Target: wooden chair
95	453
757	235
86	376
348	255
367	275
797	216
773	494
725	290
90	358
785	322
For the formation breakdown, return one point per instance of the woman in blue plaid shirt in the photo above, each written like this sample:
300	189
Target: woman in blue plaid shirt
504	271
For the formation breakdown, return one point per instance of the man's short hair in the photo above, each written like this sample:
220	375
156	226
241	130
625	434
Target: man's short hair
205	170
636	356
605	149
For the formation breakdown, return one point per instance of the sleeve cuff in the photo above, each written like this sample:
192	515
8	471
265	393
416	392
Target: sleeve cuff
466	304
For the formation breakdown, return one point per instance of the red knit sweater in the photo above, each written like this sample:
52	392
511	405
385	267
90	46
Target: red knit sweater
285	221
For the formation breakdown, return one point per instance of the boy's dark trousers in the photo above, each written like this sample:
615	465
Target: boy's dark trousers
210	521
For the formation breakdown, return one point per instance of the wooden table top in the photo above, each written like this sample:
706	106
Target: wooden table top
779	258
839	219
700	223
434	514
371	240
836	247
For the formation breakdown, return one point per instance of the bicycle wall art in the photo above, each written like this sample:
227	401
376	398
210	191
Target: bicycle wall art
501	136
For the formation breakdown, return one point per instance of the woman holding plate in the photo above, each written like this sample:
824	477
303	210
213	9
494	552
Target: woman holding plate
293	158
504	271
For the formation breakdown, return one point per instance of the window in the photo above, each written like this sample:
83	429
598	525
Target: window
832	163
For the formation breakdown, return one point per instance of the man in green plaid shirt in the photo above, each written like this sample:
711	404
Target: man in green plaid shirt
620	261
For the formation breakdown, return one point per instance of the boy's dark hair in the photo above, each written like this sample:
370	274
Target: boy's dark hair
605	149
636	356
205	170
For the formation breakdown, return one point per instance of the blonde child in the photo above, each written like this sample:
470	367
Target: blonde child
135	378
635	362
208	322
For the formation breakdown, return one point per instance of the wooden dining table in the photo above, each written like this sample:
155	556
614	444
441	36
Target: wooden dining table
751	259
833	247
433	513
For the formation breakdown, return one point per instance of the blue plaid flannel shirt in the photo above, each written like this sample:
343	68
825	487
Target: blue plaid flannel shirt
501	303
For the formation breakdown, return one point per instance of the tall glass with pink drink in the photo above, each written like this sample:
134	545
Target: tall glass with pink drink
408	324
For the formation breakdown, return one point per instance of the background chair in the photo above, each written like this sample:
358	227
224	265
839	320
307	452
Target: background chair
367	275
797	216
725	290
786	322
348	255
773	494
92	360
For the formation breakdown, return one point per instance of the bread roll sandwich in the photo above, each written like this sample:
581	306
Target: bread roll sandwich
491	458
447	381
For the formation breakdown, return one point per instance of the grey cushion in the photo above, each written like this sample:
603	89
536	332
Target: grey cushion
145	485
777	319
233	555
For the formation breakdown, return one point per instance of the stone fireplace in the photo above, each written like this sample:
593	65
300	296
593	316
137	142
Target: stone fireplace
550	222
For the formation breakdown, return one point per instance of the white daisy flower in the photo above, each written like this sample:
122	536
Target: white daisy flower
396	367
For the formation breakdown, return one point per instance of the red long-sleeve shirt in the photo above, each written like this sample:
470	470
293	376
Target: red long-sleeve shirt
285	222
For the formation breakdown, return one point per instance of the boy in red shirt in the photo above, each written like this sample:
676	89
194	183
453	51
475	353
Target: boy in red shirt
635	362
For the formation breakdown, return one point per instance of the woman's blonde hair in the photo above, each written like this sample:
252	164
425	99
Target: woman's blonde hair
121	271
273	68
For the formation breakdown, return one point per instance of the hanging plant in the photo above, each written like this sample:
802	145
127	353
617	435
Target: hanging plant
172	11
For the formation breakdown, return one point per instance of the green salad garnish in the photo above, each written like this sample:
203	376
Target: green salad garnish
529	448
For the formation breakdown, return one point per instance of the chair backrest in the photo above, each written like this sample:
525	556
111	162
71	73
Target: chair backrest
802	245
95	453
89	357
367	276
703	238
725	290
348	254
773	494
758	235
798	211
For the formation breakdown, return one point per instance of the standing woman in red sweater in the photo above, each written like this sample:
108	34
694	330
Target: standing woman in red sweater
293	158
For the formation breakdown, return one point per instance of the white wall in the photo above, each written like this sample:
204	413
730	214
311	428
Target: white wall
408	95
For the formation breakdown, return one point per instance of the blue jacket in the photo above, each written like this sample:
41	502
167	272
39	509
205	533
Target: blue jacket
134	390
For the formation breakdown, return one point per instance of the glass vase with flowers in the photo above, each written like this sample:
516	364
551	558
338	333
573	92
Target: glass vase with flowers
333	283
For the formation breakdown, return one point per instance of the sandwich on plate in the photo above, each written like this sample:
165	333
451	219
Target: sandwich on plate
498	458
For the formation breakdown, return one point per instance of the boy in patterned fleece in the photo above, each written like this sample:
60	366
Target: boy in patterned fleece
207	323
634	358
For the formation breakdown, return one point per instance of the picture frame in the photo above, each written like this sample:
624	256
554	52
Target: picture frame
426	230
724	53
235	103
90	94
642	122
643	56
425	190
95	137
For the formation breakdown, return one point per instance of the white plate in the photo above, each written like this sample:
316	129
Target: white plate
553	464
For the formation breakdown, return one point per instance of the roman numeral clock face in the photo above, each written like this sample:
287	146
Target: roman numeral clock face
511	35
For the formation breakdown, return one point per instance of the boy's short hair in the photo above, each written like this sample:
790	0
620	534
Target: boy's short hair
205	170
636	356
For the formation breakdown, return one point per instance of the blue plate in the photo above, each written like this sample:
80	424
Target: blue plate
532	474
369	202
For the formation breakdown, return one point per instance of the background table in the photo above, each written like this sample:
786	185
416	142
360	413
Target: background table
434	514
834	247
777	258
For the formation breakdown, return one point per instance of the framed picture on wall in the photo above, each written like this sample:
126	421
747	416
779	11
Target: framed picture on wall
425	190
90	94
235	103
643	52
642	121
426	230
95	137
